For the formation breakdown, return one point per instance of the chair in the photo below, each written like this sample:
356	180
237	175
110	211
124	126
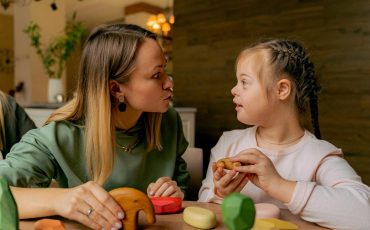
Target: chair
194	160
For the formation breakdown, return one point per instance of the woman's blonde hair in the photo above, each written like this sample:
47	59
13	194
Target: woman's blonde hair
4	107
109	54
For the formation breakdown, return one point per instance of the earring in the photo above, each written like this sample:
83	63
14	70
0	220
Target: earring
121	104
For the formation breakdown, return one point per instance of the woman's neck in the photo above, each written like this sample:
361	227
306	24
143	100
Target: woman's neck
125	120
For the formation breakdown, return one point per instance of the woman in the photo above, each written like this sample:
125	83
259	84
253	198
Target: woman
117	131
14	123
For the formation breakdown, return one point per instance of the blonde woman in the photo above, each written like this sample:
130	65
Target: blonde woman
117	131
14	123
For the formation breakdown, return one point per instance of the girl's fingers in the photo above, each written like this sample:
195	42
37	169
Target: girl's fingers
251	169
218	174
247	159
242	183
227	178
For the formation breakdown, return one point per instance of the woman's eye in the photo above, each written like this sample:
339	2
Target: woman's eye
157	75
244	82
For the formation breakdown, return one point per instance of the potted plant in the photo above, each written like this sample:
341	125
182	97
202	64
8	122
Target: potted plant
55	54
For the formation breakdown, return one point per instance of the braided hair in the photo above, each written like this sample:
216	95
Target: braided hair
291	58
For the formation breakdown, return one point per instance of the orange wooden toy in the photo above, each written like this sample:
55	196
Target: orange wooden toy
132	201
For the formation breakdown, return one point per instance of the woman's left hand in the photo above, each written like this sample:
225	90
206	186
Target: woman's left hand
166	187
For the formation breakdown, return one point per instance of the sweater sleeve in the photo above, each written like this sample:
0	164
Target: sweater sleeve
29	163
338	199
206	192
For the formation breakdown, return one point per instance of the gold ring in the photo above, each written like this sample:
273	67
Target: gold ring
89	211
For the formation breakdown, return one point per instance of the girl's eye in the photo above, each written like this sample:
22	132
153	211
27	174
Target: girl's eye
244	83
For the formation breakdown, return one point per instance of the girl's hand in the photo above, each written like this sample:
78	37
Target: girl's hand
90	205
261	171
164	186
226	183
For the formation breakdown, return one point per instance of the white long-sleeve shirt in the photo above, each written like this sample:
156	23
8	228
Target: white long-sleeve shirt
328	191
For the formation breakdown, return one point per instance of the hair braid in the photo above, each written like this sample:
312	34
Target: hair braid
291	58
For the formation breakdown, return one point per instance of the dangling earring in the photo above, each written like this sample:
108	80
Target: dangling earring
121	105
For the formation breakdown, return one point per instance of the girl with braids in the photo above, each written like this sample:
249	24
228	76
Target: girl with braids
14	123
118	131
281	162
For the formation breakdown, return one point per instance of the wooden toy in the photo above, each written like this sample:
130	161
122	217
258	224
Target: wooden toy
132	201
8	208
166	205
266	210
273	224
227	163
238	212
49	224
199	217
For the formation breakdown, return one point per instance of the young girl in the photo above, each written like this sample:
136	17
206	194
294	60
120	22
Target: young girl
282	163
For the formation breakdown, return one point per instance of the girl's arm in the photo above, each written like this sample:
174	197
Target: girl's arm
338	199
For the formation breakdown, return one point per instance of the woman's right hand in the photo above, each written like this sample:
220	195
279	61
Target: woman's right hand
90	205
227	182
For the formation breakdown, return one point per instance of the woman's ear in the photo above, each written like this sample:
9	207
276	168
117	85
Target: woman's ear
284	88
115	89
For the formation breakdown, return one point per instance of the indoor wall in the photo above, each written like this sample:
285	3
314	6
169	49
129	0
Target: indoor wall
209	35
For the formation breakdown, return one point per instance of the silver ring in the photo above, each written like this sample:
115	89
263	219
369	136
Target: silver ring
89	211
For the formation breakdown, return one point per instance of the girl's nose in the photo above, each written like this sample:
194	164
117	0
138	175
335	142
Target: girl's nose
233	91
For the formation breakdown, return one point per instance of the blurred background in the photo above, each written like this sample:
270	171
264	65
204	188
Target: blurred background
201	40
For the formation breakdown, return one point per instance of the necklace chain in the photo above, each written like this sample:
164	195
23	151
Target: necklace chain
281	143
131	146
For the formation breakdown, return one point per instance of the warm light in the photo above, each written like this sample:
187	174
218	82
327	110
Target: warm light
161	18
160	24
166	28
172	19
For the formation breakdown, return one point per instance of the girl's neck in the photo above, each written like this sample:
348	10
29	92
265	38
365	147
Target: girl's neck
125	120
279	137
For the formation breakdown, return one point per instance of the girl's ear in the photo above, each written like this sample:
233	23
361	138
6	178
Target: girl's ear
115	89
284	88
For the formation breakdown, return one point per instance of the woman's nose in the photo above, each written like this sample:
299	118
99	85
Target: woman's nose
168	84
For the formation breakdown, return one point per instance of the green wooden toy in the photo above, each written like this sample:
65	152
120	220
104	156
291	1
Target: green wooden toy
238	212
8	208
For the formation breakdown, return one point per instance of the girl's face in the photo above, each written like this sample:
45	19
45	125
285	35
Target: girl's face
252	104
149	88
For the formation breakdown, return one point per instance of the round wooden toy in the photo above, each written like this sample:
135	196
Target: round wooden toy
238	212
166	205
266	210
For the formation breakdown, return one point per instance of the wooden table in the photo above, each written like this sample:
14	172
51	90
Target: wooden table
175	221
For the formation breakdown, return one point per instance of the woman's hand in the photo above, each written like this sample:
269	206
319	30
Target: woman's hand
226	183
164	186
261	171
90	205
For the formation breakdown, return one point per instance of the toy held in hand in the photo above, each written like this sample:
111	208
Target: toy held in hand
227	163
238	212
166	205
132	201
